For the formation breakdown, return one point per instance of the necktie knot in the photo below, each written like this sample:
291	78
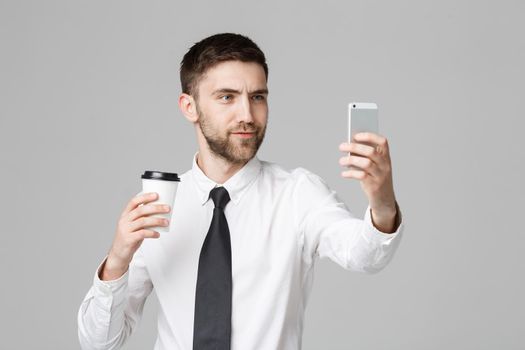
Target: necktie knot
220	197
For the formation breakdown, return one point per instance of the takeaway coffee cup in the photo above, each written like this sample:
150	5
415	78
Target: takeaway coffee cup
165	184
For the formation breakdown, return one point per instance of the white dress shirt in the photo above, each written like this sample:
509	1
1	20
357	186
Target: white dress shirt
280	222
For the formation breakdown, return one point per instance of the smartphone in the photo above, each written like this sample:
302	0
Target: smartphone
362	116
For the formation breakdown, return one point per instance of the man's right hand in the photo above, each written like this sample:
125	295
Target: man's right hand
131	231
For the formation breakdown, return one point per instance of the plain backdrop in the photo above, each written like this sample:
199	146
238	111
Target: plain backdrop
88	93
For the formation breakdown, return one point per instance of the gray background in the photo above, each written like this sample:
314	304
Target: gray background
89	100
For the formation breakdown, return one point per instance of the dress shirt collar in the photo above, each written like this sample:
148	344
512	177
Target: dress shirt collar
235	185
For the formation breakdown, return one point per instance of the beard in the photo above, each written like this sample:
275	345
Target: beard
223	145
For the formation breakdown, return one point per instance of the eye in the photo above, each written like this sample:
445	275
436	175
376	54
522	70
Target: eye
258	97
226	97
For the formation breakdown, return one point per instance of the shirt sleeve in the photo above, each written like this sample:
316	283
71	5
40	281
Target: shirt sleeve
329	229
111	310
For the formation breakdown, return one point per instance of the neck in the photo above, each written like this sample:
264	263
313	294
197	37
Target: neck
217	169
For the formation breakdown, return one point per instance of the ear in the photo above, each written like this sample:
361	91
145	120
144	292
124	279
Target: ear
188	107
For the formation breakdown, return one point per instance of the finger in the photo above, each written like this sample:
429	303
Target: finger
142	234
375	152
371	138
363	163
147	221
148	209
357	148
138	200
355	174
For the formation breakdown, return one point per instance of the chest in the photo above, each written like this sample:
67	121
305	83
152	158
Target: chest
262	233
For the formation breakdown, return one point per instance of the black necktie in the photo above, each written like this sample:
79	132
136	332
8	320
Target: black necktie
213	295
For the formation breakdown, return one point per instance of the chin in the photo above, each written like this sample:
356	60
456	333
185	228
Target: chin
241	157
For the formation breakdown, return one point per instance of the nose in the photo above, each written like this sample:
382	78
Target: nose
245	111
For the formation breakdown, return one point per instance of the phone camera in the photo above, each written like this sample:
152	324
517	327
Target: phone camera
353	106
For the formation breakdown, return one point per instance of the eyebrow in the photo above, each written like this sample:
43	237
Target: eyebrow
233	91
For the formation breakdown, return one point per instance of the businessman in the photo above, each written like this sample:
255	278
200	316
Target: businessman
236	268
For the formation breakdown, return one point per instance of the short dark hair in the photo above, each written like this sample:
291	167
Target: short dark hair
212	50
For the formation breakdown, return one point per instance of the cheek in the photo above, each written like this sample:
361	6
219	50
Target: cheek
261	115
219	118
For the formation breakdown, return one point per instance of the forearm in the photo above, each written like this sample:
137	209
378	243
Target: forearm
101	317
372	249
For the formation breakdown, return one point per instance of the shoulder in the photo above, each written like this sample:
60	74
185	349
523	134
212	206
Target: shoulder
185	175
297	178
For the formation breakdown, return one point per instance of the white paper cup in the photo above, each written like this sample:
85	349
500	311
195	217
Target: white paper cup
165	184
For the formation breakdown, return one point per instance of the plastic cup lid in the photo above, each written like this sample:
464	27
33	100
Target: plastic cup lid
159	175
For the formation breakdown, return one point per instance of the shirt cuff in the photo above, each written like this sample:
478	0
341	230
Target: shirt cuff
385	235
110	293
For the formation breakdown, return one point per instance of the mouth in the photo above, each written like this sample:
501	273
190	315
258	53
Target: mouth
244	134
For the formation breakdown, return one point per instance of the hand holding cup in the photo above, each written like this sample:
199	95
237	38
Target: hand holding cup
134	225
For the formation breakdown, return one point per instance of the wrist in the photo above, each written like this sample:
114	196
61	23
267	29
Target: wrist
113	268
386	220
388	211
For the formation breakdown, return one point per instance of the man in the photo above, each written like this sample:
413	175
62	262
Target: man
243	281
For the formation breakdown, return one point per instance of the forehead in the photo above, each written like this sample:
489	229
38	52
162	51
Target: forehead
233	74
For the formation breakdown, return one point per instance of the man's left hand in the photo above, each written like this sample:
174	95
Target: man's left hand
370	153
